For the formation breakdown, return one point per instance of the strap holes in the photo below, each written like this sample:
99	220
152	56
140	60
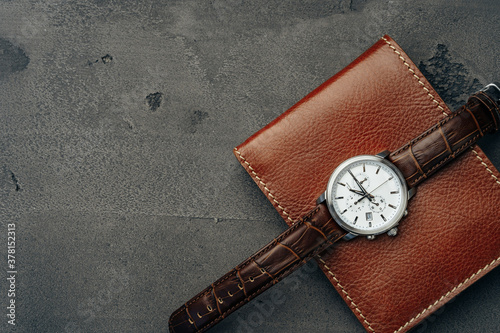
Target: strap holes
199	316
240	286
229	293
220	300
263	270
190	321
209	308
251	279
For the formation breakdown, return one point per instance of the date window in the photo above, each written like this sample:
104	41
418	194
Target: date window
369	216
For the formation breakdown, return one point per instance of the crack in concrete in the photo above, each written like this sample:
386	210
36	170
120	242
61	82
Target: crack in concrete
15	181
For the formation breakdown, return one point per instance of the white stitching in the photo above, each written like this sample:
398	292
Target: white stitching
264	185
416	76
359	312
481	161
321	259
486	166
446	295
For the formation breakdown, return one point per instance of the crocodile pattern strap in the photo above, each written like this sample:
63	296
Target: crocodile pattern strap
441	143
305	239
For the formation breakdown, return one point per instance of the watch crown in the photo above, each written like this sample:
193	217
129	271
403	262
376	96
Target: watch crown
393	232
370	237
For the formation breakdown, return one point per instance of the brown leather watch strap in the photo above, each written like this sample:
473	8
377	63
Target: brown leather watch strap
444	141
302	241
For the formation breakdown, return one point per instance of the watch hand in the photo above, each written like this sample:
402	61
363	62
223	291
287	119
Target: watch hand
385	181
361	187
356	191
357	182
367	195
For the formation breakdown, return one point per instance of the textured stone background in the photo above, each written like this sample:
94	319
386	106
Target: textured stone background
118	120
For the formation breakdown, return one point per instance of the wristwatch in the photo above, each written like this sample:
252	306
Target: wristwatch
366	195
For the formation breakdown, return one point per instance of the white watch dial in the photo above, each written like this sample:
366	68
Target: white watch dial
367	195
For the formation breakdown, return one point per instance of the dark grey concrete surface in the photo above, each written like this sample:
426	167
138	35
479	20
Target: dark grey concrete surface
118	120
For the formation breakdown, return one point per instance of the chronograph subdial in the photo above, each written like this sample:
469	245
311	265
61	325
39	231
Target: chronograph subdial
354	205
378	204
363	179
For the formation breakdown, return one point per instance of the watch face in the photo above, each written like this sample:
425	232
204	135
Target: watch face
367	195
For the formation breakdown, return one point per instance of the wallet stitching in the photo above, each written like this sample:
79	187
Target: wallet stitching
344	291
497	180
481	161
427	90
359	312
446	295
260	182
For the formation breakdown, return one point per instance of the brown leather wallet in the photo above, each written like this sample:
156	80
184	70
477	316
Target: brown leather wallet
371	207
450	237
